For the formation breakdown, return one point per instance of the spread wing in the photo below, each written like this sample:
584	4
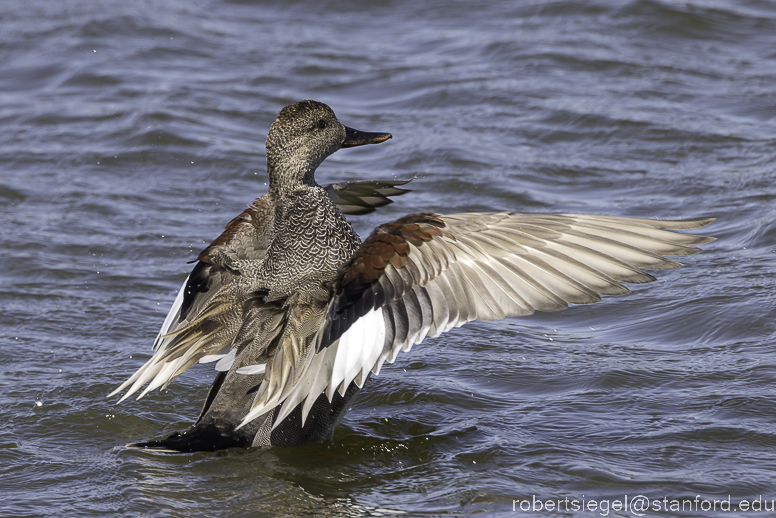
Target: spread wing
207	313
425	274
362	197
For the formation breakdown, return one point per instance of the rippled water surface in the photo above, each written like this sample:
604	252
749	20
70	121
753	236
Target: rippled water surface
131	132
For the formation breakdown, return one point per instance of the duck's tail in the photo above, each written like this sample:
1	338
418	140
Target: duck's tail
214	431
205	437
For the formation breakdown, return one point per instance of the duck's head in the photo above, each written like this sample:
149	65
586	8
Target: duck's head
302	136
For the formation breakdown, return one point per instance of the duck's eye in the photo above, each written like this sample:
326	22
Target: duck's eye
321	124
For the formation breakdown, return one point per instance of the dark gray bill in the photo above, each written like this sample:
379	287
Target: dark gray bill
355	138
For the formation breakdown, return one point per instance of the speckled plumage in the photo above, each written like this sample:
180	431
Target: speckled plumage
306	311
311	241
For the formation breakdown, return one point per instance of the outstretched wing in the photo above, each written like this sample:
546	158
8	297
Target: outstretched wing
362	197
426	273
207	313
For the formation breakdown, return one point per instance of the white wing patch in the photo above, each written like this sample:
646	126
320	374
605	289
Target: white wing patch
332	369
358	350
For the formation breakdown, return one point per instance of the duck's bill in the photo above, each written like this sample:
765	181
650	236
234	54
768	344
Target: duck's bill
355	138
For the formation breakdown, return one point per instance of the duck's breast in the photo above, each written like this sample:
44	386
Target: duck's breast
311	240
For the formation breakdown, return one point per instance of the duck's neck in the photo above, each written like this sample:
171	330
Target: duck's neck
288	177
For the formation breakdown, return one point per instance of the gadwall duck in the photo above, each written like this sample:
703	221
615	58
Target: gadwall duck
297	312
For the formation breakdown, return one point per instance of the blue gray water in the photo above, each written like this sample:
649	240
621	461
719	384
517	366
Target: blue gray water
131	132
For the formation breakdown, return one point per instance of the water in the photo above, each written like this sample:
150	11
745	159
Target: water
131	132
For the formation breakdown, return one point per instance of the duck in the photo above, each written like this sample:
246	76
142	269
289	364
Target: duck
297	312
